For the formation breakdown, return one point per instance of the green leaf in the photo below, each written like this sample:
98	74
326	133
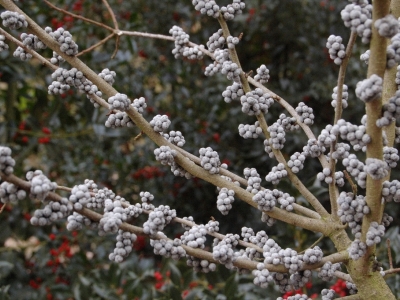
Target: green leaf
231	287
5	268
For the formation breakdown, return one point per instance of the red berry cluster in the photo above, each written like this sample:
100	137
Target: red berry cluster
307	286
148	172
340	288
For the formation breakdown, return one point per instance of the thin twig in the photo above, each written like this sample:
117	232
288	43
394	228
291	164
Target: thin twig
2	208
99	43
389	254
111	13
313	244
78	16
333	190
350	180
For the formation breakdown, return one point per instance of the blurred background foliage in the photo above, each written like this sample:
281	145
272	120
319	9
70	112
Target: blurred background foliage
66	138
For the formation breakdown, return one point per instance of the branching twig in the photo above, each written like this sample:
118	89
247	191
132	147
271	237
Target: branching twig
389	254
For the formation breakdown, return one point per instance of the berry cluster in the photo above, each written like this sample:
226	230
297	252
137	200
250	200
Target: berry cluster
52	212
177	170
313	255
119	119
352	211
313	148
277	136
339	178
76	222
253	180
225	200
388	26
233	92
165	155
365	56
212	226
10	193
336	49
296	297
100	197
356	135
64	38
224	250
123	246
119	101
267	219
376	168
328	294
187	227
391	111
325	175
22	54
108	76
259	239
31	41
158	219
250	131
391	191
256	102
80	196
288	123
56	59
175	137
3	45
146	199
216	41
374	234
351	287
345	96
393	52
231	10
231	70
357	249
209	160
195	237
341	151
262	276
369	89
270	252
305	113
268	148
232	41
326	137
296	162
265	199
221	56
397	79
181	38
358	18
276	174
160	123
114	215
41	186
282	281
262	74
200	265
139	105
13	20
206	7
7	163
285	200
386	220
356	169
327	271
168	248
